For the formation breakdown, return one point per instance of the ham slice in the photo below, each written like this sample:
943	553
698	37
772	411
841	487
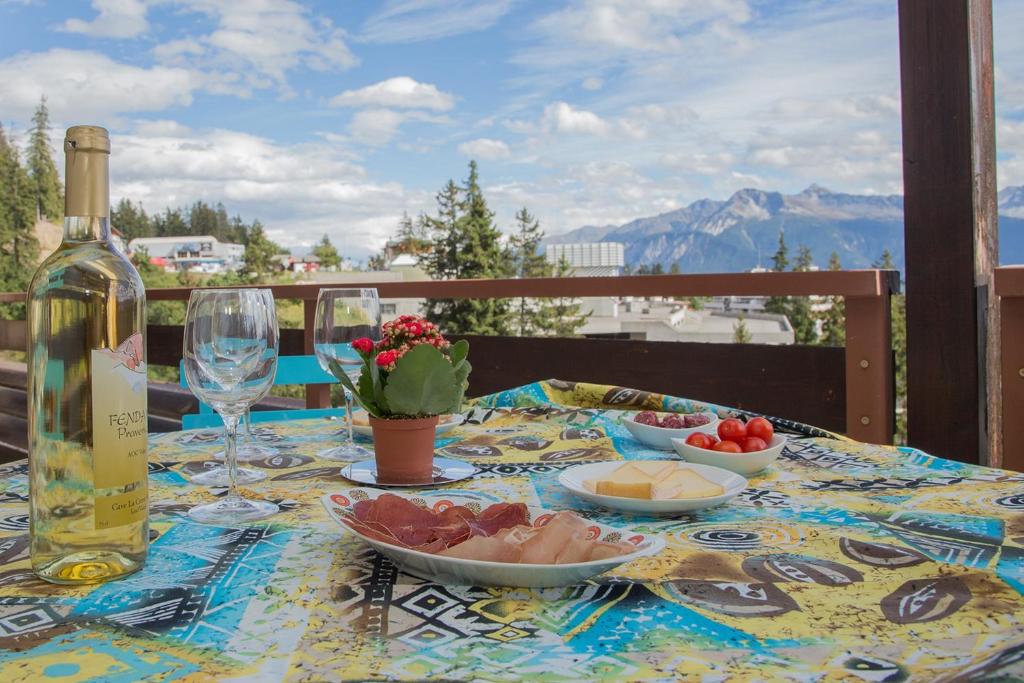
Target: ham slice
500	533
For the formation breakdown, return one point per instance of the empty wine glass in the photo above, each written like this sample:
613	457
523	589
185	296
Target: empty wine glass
230	357
342	316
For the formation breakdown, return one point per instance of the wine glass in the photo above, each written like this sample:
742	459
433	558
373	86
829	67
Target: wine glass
230	357
342	316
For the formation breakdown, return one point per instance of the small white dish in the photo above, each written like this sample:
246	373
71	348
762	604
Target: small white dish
445	471
447	423
574	477
661	437
463	572
740	463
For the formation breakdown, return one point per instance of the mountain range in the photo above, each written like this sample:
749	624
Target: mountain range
742	231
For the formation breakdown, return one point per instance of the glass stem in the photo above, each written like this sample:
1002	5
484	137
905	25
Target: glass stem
231	454
348	415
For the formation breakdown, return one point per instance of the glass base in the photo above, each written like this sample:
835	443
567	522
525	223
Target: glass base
232	511
218	476
248	452
88	566
346	452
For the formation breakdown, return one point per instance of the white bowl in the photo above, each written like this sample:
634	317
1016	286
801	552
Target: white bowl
574	477
740	463
661	437
447	423
459	571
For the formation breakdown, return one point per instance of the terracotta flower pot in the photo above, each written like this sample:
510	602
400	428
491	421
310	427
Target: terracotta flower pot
404	450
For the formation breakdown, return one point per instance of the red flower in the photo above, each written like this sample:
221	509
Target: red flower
386	358
413	329
363	345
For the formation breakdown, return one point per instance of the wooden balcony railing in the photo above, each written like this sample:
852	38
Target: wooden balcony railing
850	391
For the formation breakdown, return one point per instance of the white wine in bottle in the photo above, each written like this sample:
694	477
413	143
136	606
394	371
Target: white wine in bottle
88	494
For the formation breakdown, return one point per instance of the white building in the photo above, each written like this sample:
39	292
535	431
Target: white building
589	258
203	253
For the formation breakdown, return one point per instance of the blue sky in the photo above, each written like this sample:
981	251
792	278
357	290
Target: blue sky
331	117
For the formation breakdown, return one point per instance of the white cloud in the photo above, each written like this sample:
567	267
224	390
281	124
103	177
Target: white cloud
256	44
299	191
85	86
404	21
592	83
375	126
116	19
401	91
562	117
485	148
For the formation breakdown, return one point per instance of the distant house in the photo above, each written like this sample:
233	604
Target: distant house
202	253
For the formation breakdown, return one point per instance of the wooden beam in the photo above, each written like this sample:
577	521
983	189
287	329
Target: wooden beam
949	233
824	283
317	395
870	391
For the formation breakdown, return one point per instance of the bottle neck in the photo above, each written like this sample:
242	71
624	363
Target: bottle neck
86	229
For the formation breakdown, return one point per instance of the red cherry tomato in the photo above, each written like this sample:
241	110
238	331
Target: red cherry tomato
761	428
726	446
731	429
753	443
700	440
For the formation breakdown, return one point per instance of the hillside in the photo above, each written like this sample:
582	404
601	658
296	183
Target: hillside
743	231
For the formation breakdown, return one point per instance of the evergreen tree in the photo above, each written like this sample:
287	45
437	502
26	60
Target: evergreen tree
884	262
798	308
18	245
131	220
675	269
833	320
525	244
48	188
657	269
170	224
740	333
467	245
561	316
260	251
780	261
413	236
327	254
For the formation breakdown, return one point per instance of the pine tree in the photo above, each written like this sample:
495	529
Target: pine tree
327	254
798	308
131	220
658	269
833	320
525	245
260	251
740	333
18	245
48	188
561	316
467	245
413	236
780	261
675	269
884	262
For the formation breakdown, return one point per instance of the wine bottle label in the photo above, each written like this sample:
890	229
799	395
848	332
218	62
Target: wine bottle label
119	434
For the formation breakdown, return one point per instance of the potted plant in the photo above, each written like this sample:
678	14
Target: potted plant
409	378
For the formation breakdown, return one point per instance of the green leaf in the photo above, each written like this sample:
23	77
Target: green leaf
458	351
362	398
423	383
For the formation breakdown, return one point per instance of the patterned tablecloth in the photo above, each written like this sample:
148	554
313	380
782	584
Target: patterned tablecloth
843	562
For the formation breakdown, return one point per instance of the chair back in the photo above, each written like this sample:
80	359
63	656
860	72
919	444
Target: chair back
290	370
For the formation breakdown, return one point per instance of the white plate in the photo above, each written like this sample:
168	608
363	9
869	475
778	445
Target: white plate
574	477
661	437
740	463
459	571
453	421
445	471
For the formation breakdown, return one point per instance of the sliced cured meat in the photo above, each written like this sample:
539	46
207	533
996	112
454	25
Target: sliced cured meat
500	533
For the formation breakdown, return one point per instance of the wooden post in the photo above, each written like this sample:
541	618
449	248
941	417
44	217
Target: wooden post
869	371
949	222
317	395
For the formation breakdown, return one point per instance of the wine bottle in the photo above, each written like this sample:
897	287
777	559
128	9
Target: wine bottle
88	493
